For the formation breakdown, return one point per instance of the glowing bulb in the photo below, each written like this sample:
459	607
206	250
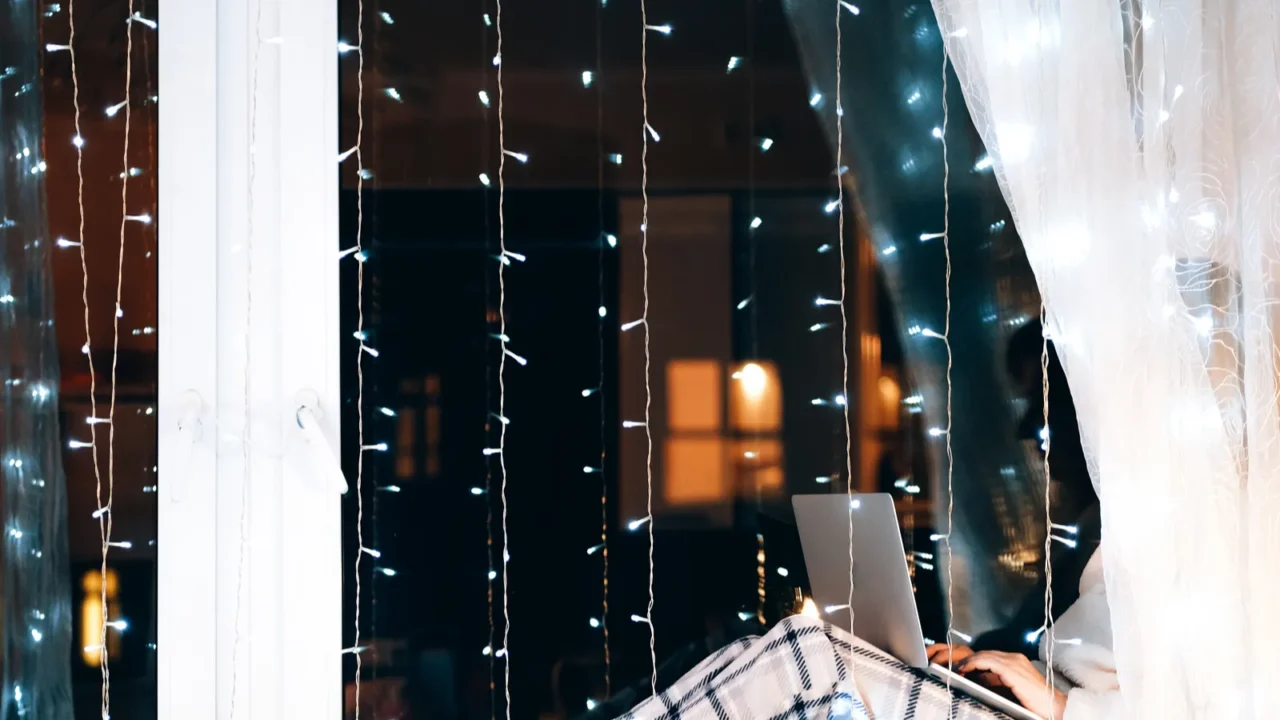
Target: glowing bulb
587	78
591	704
387	571
984	163
520	157
824	479
344	48
594	622
809	608
815	100
783	572
653	133
734	62
926	237
632	424
756	222
615	158
394	94
484	98
377	447
664	29
77	141
36	635
937	132
637	524
936	432
493	574
386	18
632	324
818	326
112	110
50	47
754	380
137	17
484	179
831	207
611	239
851	7
497	60
477	491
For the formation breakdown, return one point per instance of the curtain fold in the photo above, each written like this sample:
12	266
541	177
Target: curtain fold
1138	148
35	586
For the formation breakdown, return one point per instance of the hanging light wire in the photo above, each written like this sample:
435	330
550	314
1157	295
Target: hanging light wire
246	440
645	132
485	139
600	250
502	366
844	319
946	341
88	350
360	351
106	519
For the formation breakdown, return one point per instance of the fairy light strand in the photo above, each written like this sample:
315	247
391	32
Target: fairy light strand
844	319
106	520
645	131
488	373
246	432
946	342
502	365
762	591
78	142
360	333
600	246
1048	518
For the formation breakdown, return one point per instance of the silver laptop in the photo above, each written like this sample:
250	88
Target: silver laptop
883	603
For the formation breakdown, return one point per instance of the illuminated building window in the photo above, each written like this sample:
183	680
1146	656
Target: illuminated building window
91	617
705	460
406	449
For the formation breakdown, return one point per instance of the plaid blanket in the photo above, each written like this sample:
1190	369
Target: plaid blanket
806	669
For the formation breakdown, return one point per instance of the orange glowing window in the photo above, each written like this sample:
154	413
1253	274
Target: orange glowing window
694	470
406	450
91	617
693	396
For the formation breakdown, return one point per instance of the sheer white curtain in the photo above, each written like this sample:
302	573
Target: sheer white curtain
1138	147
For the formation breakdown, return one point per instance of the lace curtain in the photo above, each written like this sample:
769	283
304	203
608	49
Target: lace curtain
35	591
1137	146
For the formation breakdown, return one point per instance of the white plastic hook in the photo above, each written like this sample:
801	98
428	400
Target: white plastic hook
190	428
308	415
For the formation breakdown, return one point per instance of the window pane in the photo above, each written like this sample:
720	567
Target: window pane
89	469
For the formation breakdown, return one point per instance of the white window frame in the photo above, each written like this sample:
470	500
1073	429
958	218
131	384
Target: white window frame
290	639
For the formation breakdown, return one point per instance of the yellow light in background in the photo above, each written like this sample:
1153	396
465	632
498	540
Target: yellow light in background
755	398
754	381
694	395
809	608
91	617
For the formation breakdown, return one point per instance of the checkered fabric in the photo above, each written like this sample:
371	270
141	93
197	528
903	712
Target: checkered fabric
802	670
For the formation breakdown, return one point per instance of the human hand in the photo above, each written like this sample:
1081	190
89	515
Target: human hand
941	654
1016	673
